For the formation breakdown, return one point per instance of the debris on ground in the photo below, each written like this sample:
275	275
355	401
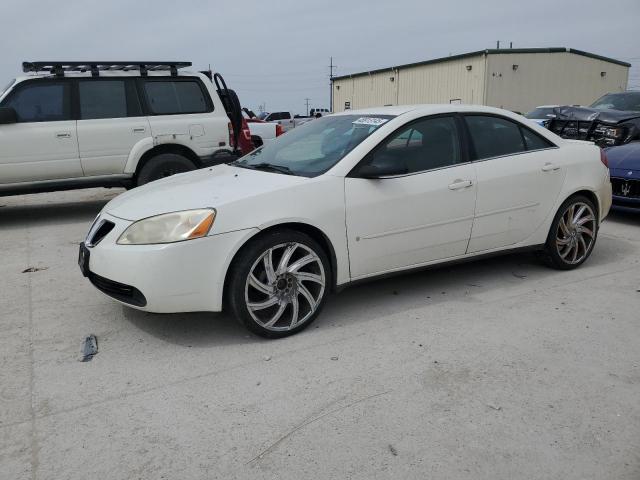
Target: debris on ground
393	450
34	269
266	358
395	292
519	275
334	358
473	285
89	348
494	407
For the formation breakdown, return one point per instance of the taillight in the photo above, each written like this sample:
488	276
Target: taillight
232	137
279	130
603	158
247	133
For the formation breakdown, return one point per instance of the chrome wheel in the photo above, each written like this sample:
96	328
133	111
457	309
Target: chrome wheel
285	286
576	233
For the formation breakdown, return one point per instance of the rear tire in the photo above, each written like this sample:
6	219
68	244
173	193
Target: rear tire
162	166
279	283
573	234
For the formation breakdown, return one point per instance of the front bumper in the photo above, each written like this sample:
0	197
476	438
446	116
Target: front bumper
169	278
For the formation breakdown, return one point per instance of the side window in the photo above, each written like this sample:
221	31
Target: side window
167	97
40	102
494	136
285	116
423	145
533	141
102	99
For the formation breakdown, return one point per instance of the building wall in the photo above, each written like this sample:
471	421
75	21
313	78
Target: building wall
540	79
435	83
549	79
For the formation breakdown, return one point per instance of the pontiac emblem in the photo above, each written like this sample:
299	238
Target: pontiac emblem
626	189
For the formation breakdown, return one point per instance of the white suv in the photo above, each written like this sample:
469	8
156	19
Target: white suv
108	124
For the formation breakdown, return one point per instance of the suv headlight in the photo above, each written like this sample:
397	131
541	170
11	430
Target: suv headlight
169	227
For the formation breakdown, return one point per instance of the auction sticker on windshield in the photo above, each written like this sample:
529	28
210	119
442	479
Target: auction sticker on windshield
370	121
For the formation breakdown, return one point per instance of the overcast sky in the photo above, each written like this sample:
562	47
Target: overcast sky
277	51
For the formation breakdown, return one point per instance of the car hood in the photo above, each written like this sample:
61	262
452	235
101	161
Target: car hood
625	157
209	187
590	114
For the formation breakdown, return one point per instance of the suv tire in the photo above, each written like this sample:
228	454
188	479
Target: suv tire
162	166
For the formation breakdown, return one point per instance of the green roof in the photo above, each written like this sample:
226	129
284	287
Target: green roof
489	51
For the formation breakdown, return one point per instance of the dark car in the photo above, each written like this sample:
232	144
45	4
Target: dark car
613	123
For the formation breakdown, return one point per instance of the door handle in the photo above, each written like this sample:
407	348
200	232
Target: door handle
548	167
139	130
63	135
458	184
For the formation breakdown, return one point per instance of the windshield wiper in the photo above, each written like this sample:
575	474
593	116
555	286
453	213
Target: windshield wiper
271	167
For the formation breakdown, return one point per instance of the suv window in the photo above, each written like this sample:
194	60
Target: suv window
40	102
494	136
102	99
171	97
423	145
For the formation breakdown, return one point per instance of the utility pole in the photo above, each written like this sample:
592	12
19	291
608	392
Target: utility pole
307	102
331	67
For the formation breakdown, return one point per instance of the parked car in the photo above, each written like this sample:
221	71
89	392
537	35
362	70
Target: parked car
286	119
88	124
315	112
541	114
261	131
345	198
613	122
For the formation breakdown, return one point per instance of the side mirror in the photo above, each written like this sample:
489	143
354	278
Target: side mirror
381	171
8	115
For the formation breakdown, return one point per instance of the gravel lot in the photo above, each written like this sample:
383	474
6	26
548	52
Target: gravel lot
499	369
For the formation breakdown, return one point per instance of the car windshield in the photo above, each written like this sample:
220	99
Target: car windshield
540	113
315	147
629	101
2	91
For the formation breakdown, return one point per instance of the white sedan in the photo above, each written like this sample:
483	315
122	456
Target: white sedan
344	198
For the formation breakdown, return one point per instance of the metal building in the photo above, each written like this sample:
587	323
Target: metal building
516	79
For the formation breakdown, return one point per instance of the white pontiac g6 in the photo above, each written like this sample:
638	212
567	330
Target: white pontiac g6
344	198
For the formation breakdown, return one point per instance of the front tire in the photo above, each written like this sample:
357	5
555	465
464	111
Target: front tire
279	283
162	166
573	234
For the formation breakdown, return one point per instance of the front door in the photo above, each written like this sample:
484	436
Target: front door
43	144
417	217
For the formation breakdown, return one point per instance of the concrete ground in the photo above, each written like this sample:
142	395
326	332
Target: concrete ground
500	369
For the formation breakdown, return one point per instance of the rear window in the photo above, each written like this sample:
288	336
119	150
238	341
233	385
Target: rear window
171	97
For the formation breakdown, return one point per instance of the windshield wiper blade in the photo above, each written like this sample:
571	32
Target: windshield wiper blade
272	167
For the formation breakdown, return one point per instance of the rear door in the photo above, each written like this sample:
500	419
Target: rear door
519	178
180	111
110	124
43	144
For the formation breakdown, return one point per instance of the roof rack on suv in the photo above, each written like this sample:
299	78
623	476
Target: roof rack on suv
59	68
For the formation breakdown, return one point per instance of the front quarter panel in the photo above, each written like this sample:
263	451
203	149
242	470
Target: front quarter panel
318	202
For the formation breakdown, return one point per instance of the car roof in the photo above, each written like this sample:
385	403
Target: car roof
426	109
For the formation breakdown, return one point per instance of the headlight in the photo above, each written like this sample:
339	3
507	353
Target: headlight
611	132
169	227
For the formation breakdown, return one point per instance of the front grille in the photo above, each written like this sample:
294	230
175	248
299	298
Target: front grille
119	291
98	232
623	187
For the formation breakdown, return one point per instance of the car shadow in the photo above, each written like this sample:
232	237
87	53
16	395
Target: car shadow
624	216
201	329
58	213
